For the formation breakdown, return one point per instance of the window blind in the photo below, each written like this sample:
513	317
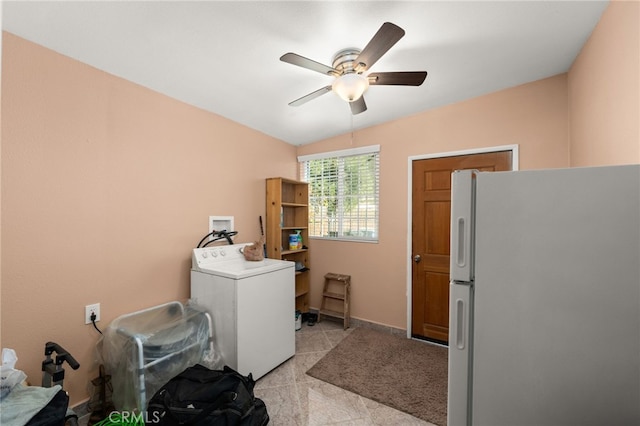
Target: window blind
343	193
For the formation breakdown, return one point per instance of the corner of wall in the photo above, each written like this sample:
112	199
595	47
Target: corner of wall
604	91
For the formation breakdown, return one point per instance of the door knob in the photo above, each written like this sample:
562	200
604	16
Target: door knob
417	258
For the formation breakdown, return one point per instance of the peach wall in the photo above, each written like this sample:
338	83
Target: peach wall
533	115
604	91
106	186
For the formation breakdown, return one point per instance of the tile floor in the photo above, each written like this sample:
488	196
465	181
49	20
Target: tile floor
295	399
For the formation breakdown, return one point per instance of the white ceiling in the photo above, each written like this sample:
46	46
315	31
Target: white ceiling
224	56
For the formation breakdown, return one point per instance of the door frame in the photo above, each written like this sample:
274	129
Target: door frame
515	165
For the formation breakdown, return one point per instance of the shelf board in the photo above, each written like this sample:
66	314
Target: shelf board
289	181
292	228
285	252
293	204
301	293
331	313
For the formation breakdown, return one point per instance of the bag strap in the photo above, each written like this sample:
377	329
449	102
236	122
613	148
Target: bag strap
247	380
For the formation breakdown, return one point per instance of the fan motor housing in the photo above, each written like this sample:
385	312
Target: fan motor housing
345	61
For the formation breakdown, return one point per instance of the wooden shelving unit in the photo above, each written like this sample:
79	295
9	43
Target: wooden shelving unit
287	211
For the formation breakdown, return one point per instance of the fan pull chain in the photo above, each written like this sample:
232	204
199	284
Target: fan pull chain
351	117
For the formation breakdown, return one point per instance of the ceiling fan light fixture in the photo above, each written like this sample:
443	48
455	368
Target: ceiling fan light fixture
351	86
350	64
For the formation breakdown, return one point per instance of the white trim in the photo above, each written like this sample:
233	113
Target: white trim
515	166
515	163
342	153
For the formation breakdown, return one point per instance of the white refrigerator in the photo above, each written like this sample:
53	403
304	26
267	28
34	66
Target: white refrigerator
545	297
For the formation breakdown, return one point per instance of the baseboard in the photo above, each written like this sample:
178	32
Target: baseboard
81	408
359	322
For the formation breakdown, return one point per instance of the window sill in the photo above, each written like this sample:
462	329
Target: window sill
345	239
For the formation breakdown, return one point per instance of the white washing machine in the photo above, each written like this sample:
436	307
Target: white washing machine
251	303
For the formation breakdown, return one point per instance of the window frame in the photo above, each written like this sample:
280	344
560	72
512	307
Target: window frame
340	155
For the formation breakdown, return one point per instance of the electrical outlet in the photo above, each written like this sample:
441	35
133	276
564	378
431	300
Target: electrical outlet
91	309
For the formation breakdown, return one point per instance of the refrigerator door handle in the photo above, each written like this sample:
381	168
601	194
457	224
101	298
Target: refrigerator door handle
460	247
460	352
460	315
462	196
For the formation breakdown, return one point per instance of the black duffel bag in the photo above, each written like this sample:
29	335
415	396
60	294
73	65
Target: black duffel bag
202	397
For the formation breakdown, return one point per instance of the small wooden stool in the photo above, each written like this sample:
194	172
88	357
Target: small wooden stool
336	287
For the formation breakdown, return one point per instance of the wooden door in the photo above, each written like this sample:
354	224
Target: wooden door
431	217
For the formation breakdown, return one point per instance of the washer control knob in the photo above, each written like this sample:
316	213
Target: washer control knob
204	254
214	253
223	253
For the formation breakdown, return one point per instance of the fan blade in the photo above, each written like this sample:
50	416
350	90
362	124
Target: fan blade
400	78
301	61
310	96
358	106
383	40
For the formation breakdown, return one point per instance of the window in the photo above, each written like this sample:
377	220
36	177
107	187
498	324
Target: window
343	193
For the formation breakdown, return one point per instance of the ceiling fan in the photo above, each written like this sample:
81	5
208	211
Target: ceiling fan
349	68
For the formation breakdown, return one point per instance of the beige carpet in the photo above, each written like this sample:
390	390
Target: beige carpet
408	375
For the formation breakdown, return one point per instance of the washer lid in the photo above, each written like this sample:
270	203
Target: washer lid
241	268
